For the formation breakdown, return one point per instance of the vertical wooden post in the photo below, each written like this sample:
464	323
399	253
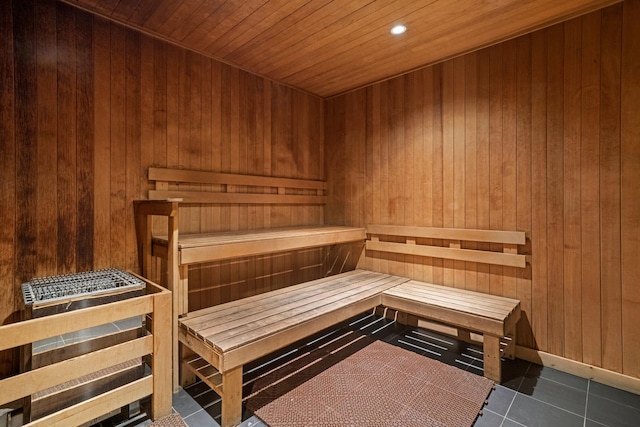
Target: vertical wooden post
161	359
232	397
492	365
183	290
173	282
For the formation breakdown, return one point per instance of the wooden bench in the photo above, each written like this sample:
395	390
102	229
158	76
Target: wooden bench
493	316
178	187
227	336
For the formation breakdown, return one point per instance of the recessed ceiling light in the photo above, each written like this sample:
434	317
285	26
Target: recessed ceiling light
398	29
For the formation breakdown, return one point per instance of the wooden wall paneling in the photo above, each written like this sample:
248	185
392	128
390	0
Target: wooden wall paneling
226	166
160	88
571	206
173	132
524	182
630	192
268	146
448	166
437	156
384	164
257	146
459	170
555	194
84	147
67	139
470	161
425	165
253	144
396	162
539	259
133	153
47	105
355	113
374	185
415	158
8	296
102	144
590	190
193	149
147	112
610	203
25	143
509	154
496	195
234	142
118	148
206	280
483	172
336	145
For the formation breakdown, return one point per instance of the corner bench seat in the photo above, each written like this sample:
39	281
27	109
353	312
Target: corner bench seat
208	247
493	316
227	336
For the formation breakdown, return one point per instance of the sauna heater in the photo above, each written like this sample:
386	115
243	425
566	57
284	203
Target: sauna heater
47	296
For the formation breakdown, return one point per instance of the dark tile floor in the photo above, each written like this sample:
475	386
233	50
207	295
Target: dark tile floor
530	395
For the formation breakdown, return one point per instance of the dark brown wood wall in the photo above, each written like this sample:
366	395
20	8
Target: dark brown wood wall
540	134
87	106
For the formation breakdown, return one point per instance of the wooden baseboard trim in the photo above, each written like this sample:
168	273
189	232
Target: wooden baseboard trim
610	378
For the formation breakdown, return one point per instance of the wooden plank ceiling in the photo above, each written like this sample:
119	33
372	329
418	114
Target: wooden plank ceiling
329	47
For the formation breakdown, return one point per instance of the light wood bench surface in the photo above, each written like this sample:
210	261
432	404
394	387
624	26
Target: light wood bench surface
227	336
207	247
493	316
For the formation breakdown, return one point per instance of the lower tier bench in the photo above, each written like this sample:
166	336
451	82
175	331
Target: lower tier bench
493	316
227	336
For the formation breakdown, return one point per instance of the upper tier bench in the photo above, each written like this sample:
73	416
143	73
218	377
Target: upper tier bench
227	336
176	187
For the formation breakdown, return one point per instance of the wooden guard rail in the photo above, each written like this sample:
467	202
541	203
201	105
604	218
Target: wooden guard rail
156	345
223	188
508	239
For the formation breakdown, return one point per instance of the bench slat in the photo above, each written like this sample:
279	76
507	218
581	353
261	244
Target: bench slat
494	236
486	257
198	248
449	305
236	198
245	307
205	177
488	301
431	298
296	314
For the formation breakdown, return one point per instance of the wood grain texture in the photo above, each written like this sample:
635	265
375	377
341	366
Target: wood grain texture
8	284
327	47
549	124
91	106
630	191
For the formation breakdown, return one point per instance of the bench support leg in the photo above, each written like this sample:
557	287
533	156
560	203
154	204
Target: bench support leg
232	398
510	350
492	364
187	377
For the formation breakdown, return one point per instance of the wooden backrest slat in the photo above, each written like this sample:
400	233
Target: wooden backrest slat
473	235
508	239
235	198
205	177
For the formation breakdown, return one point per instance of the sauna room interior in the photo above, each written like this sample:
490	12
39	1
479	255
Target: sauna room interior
519	117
